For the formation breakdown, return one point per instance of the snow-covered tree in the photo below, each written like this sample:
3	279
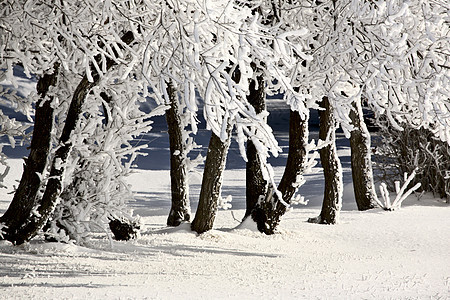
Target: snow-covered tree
95	192
43	39
418	138
371	50
408	80
265	203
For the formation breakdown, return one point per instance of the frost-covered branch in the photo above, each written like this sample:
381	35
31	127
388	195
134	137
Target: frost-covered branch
402	192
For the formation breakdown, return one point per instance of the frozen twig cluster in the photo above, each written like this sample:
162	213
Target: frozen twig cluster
402	192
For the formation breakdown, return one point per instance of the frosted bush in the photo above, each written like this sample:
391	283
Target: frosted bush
411	149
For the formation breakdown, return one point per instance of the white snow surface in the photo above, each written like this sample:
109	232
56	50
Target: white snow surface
369	255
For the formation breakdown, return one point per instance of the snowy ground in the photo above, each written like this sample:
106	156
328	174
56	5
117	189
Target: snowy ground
369	255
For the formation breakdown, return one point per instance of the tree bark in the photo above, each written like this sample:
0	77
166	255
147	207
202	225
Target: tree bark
180	210
361	160
256	185
297	156
24	199
211	183
53	188
331	165
268	213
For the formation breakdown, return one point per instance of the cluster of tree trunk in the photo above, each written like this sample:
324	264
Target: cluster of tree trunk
266	204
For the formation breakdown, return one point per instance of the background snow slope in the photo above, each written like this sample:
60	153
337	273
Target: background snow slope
369	255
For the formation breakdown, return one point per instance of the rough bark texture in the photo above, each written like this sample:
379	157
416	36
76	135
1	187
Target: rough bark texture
25	197
211	183
256	186
54	184
362	174
295	165
180	210
267	215
331	165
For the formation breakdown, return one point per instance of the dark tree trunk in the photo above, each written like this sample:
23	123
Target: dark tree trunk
362	174
24	199
54	184
256	185
211	183
180	210
331	165
295	165
267	215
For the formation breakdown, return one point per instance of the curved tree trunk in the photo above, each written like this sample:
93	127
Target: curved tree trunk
24	199
332	169
53	189
180	210
267	213
362	174
211	183
256	185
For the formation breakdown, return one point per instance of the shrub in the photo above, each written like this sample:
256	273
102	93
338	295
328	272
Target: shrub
399	152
